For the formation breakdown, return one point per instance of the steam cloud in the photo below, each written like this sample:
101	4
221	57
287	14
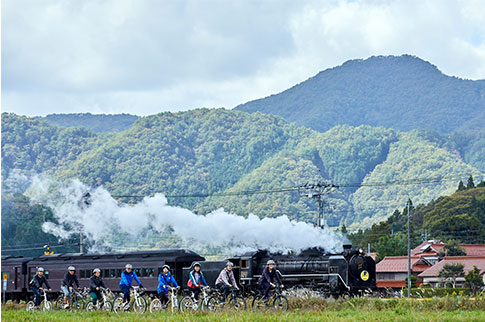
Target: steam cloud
104	219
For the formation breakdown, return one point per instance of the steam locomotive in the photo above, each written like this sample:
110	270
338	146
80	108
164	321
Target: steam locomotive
349	272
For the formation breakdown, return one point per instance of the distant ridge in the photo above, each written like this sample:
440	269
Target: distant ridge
400	92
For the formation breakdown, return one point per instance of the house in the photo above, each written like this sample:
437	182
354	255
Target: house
431	250
431	275
393	270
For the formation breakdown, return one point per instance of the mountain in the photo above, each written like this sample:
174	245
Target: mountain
207	151
94	122
403	93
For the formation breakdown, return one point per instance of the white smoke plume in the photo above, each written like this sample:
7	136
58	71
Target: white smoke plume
104	216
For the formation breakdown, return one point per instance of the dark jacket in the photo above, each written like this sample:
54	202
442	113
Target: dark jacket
37	281
96	282
70	280
269	277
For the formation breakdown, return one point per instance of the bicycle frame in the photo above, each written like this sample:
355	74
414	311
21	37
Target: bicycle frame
173	298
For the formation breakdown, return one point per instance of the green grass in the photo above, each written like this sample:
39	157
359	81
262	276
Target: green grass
345	315
454	308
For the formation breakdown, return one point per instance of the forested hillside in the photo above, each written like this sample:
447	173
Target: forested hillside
208	151
94	122
402	93
459	218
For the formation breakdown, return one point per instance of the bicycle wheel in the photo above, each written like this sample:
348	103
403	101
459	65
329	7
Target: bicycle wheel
107	306
76	305
213	304
46	306
238	303
118	304
30	306
140	305
258	304
90	307
280	303
187	304
59	303
155	306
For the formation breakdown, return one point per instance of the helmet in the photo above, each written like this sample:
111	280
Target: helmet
196	264
166	266
271	262
230	264
96	270
128	266
71	268
40	269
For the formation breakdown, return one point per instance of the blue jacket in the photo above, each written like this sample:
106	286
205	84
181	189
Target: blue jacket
165	280
127	279
194	280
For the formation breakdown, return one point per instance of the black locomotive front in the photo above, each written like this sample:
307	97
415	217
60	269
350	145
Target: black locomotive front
349	272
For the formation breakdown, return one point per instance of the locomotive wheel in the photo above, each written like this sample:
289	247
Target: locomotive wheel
280	303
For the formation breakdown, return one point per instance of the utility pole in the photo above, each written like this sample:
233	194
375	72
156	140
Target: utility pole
319	190
409	249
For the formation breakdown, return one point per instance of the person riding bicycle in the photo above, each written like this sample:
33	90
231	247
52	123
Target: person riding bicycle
95	284
36	286
165	279
70	278
268	277
226	280
126	283
196	279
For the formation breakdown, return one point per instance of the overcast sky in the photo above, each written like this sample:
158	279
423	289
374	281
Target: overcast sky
148	56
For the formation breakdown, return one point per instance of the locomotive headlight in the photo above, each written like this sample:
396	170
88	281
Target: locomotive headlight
361	251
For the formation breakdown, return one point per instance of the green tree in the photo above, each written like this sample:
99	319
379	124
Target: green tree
474	279
452	272
452	248
390	246
414	280
481	184
461	186
470	184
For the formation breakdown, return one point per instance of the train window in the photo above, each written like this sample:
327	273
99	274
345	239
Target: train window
46	273
144	272
244	263
106	273
118	272
82	273
150	272
112	273
138	271
160	270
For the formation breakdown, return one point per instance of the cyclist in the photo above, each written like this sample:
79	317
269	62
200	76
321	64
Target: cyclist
165	279
267	279
196	279
226	280
95	284
36	285
126	284
70	278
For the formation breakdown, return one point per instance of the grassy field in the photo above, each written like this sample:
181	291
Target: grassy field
314	309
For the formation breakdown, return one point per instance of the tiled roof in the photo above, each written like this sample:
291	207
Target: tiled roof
400	264
433	246
467	261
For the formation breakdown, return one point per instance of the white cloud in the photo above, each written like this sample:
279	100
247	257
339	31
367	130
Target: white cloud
148	56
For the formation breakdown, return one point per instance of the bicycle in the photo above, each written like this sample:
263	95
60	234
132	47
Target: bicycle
75	303
234	301
139	302
156	305
45	305
102	304
277	301
190	303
